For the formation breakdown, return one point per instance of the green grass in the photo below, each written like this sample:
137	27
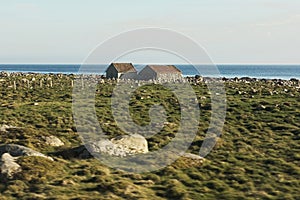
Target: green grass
257	156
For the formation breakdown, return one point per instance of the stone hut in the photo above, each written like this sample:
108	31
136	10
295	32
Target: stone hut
160	72
121	71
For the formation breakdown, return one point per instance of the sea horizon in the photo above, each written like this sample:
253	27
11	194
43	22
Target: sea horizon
260	71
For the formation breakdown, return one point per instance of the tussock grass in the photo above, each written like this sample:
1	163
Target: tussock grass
257	155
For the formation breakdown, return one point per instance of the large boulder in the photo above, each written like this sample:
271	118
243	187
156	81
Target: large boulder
135	143
9	167
121	146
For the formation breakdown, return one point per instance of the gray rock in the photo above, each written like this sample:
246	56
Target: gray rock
135	142
121	146
9	167
4	128
19	150
53	141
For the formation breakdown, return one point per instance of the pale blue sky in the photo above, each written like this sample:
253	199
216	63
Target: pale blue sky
232	31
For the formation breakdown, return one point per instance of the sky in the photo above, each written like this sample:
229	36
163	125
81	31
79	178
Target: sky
231	31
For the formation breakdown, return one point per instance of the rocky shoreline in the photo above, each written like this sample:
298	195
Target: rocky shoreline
30	77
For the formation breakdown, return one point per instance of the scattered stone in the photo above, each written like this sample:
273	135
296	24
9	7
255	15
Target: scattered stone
193	159
192	156
5	128
67	182
270	92
170	124
144	182
261	107
53	141
9	155
19	150
253	91
189	160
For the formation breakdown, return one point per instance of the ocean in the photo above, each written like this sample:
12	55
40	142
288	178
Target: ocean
285	72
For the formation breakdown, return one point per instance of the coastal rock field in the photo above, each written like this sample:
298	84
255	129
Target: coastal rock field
257	155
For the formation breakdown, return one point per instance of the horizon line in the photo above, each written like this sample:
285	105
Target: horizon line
153	63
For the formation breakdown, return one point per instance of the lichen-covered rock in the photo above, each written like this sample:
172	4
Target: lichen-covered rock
53	141
135	143
121	146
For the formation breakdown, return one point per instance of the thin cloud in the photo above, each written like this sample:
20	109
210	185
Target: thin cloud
290	20
27	6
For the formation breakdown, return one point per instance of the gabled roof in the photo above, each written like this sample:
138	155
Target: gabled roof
123	67
164	69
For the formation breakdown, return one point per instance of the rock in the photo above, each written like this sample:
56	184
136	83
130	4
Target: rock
121	146
102	146
10	153
19	150
190	160
9	167
192	156
144	182
261	107
5	128
67	182
253	91
135	142
270	92
53	141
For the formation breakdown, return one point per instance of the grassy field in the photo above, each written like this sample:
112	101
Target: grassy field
256	157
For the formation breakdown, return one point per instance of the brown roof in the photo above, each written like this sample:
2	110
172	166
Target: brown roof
124	67
164	69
